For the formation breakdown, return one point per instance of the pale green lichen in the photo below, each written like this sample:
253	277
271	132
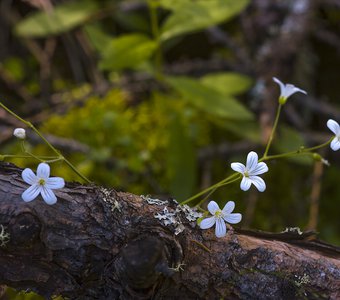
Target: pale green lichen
4	236
302	280
169	216
108	197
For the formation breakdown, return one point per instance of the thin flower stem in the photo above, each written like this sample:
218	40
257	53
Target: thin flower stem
213	191
271	137
30	125
42	158
301	151
231	177
29	153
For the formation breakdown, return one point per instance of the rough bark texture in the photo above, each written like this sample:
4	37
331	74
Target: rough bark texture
96	243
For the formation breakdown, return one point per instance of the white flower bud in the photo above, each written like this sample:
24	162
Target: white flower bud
20	133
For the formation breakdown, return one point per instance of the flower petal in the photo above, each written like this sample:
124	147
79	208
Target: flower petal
258	182
252	160
238	167
228	208
48	196
233	218
297	90
31	193
259	169
245	184
282	86
220	229
207	223
333	126
28	176
43	171
55	183
213	207
335	144
291	89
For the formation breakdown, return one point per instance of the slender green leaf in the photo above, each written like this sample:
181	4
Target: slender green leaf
209	100
193	16
98	38
127	51
181	160
63	18
227	83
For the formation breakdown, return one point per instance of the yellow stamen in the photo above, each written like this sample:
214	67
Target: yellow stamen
41	181
218	213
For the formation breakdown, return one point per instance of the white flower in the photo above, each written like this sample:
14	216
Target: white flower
335	128
287	90
41	183
20	133
250	172
219	217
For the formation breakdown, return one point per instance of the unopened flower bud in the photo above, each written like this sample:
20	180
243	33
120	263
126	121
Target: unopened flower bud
317	157
20	133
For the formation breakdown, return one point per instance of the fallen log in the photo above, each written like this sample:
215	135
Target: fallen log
96	243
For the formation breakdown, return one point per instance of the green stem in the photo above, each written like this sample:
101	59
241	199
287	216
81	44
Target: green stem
271	137
213	191
42	158
30	125
153	5
303	151
231	177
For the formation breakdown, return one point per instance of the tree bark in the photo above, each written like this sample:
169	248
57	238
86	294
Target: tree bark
96	243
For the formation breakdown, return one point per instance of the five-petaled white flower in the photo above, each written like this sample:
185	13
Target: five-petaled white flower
220	217
287	90
20	133
41	183
250	172
335	128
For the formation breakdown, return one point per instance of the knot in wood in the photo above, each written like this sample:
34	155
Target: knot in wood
24	229
139	261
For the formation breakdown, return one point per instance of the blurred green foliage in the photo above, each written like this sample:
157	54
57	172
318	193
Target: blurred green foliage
155	144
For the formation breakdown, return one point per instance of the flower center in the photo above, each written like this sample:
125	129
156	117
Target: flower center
41	181
246	174
218	214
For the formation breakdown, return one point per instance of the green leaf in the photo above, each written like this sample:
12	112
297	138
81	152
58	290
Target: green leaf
228	83
181	161
208	99
288	139
246	129
98	38
172	4
193	16
127	51
63	18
